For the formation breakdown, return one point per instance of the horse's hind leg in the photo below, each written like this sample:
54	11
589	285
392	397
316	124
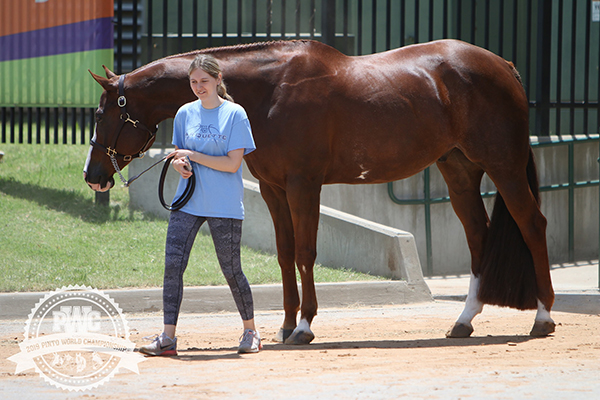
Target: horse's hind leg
523	206
463	326
464	179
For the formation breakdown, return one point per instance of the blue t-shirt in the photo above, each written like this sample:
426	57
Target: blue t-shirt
215	132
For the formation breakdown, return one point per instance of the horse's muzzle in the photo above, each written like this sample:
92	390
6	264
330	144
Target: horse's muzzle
102	184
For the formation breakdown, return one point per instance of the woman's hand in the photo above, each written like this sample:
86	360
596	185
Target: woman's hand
230	162
181	162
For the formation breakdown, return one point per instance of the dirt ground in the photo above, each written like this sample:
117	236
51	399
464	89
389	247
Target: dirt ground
359	353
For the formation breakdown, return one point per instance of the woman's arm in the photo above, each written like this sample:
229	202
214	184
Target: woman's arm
228	163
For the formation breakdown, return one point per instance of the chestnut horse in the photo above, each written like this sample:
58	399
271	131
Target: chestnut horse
321	117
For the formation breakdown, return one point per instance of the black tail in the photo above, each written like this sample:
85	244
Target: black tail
507	275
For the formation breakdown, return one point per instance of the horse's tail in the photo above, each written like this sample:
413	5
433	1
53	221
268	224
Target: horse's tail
507	275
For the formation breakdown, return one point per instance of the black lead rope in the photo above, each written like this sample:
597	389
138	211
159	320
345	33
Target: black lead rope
130	181
185	196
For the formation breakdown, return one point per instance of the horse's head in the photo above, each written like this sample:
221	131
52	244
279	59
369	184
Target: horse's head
123	130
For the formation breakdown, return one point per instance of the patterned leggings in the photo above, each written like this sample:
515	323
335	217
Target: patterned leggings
226	234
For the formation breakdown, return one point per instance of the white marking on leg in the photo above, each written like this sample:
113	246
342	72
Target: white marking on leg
302	333
542	314
472	305
303	326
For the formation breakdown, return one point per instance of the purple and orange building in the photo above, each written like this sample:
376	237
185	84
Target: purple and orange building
47	47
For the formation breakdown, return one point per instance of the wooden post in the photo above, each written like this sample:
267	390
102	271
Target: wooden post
103	198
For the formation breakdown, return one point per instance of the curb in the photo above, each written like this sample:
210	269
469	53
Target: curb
213	299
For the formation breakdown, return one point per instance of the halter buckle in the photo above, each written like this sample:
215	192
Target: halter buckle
121	101
127	118
127	158
111	152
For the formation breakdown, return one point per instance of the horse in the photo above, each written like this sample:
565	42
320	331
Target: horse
321	117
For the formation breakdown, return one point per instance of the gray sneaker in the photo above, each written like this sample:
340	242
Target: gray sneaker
250	342
161	346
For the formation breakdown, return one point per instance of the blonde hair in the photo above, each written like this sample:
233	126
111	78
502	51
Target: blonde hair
209	64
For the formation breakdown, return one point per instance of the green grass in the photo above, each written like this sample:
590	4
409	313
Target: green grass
52	233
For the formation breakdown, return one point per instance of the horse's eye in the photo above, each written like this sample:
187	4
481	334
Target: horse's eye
98	116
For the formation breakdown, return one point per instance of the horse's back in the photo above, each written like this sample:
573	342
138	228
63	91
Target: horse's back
399	111
385	116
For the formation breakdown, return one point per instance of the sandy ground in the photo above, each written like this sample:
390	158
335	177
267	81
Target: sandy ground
359	353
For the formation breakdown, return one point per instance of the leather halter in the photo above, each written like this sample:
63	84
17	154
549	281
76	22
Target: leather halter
111	151
113	154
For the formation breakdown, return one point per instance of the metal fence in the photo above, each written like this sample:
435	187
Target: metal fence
555	44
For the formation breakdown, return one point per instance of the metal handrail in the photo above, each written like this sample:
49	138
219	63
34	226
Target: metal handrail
535	141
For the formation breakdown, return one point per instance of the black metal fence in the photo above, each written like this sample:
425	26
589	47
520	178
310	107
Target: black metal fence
555	44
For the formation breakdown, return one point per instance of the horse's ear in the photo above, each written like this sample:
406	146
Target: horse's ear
101	80
109	73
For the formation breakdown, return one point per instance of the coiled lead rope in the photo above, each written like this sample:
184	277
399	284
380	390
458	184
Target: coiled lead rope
185	196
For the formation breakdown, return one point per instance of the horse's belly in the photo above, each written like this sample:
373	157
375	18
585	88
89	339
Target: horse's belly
384	168
392	151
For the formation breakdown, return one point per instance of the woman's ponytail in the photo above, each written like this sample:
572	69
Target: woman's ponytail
222	91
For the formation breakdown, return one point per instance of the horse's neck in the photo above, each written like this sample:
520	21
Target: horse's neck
164	84
164	93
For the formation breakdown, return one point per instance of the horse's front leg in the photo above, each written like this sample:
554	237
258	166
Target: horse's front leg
303	334
304	202
284	236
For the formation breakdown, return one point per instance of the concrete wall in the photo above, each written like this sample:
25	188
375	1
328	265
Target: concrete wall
450	254
344	240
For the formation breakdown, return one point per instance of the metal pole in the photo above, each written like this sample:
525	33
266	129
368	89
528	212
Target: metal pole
119	18
427	193
542	97
328	22
571	210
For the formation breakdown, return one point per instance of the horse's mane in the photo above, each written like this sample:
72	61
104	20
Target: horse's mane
238	48
232	49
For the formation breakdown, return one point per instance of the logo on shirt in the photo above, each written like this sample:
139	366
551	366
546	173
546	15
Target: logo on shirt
208	132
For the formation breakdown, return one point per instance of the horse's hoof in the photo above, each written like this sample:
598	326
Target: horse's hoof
283	334
300	337
460	330
542	328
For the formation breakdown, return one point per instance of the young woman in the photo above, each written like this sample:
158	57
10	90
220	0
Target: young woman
211	135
